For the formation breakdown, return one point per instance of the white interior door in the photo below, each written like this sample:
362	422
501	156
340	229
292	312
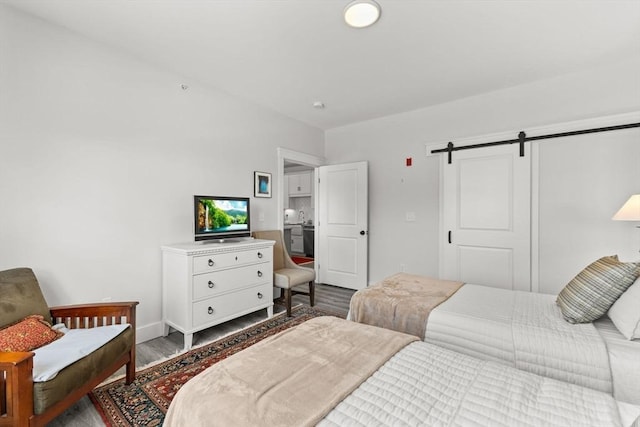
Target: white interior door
486	217
342	227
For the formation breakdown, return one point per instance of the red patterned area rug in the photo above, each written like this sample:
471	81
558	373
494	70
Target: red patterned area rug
146	400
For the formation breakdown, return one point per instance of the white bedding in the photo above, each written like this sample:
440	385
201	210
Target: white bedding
415	383
524	330
424	384
71	347
624	359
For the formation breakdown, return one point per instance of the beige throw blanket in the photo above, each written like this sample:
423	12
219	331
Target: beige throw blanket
291	379
401	302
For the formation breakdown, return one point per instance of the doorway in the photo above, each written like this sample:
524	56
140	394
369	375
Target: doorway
297	206
330	264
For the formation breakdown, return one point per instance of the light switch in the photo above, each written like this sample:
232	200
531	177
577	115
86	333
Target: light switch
410	216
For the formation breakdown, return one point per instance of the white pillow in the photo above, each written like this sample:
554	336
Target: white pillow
625	312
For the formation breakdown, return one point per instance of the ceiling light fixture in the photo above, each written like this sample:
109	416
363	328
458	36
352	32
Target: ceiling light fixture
362	13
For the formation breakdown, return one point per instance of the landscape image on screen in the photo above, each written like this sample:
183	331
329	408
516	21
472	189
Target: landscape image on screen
222	215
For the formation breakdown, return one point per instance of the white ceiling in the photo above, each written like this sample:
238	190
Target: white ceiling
286	54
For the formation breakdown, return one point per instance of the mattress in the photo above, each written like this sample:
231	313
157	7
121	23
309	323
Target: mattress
75	344
524	330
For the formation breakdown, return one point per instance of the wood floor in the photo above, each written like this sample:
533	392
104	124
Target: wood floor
83	414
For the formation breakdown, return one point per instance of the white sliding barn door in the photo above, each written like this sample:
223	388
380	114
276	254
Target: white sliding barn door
343	225
486	217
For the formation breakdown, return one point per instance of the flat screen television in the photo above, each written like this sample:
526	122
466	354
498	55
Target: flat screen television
219	218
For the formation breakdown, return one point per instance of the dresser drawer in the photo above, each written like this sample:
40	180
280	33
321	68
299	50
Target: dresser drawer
217	282
213	262
212	309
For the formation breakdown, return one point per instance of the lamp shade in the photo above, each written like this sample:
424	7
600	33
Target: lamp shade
630	211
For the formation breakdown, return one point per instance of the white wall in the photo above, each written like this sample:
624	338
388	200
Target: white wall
396	189
100	155
584	180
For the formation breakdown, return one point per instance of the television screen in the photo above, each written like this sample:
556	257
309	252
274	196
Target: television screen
221	217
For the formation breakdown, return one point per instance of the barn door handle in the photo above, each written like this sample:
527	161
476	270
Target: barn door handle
449	237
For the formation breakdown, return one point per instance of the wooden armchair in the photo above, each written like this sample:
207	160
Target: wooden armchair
24	402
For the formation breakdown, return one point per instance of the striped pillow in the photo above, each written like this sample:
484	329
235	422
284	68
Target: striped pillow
594	290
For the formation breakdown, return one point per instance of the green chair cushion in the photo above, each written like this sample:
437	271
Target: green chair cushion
48	393
20	296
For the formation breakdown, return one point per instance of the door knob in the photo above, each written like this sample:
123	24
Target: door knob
362	232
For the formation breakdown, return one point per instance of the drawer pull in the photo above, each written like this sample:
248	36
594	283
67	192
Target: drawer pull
236	258
259	254
210	263
211	284
259	273
259	295
210	310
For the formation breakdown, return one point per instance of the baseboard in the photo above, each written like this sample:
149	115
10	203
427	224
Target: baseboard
149	332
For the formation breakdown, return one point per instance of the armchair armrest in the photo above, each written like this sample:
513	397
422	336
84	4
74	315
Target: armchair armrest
98	314
16	386
14	358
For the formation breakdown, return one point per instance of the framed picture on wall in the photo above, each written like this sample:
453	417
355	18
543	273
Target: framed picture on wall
262	184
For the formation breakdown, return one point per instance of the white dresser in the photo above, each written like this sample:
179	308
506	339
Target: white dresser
204	284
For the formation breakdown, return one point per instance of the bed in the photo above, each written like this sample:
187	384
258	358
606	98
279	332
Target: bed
520	329
333	372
